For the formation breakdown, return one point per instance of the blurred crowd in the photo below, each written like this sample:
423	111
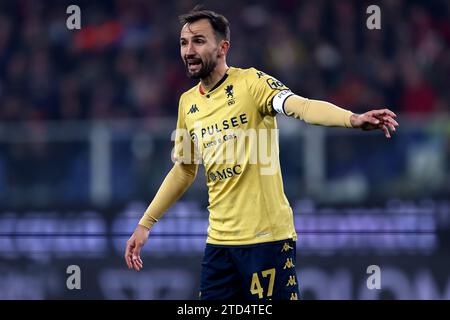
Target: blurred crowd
125	63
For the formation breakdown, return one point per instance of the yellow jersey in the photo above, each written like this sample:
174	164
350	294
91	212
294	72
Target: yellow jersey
232	130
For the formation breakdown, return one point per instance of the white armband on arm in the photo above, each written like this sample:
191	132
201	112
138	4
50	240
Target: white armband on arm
279	99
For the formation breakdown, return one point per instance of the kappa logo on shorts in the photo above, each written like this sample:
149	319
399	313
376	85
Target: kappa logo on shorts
291	281
294	296
286	247
289	264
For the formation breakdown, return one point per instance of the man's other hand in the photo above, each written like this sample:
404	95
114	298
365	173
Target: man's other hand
134	245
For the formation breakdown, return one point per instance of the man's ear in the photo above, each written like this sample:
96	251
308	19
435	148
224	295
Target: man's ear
224	46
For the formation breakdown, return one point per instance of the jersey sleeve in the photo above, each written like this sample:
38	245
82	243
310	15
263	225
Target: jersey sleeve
268	92
184	147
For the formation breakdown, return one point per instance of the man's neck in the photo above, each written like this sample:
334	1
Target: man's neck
214	77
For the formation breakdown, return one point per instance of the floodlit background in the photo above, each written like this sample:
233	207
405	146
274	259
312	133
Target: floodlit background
86	118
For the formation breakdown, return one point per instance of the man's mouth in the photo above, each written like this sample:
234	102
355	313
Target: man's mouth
193	63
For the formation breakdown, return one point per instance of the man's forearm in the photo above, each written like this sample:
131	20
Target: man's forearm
317	112
177	181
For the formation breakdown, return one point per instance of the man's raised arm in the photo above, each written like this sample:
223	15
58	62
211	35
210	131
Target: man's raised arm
327	114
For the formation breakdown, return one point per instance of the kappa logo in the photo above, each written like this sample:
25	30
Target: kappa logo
291	281
260	74
286	247
193	109
289	264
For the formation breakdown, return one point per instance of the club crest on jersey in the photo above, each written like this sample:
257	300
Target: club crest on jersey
193	109
230	94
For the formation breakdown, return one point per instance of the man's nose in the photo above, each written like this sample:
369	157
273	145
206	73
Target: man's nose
190	51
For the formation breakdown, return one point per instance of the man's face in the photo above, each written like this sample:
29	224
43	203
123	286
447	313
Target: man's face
199	48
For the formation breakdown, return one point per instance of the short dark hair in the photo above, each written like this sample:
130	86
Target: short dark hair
218	22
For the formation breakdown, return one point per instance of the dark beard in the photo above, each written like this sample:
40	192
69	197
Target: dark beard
205	70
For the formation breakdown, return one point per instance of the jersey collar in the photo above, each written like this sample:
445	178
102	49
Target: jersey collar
202	92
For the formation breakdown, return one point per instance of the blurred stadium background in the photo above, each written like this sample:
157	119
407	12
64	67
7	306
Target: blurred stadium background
85	123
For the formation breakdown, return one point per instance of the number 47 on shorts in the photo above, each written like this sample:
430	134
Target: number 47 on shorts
255	286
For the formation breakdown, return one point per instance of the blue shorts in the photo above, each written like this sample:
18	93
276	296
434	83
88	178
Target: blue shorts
264	271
